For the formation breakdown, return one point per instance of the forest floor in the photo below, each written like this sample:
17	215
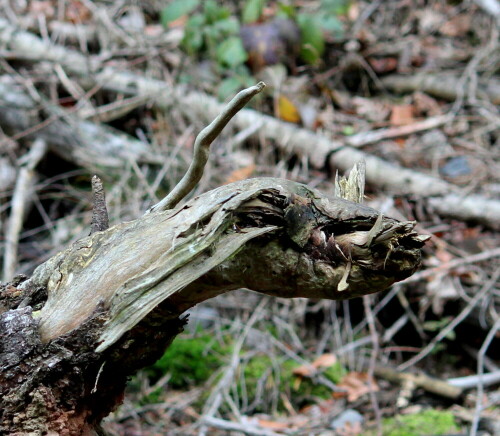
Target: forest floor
121	89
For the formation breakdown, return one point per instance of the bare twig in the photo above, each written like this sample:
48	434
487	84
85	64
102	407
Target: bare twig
244	427
100	219
373	358
202	148
430	384
471	381
451	326
19	201
480	372
365	138
480	257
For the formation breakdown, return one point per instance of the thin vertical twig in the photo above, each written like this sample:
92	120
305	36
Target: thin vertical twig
100	220
480	372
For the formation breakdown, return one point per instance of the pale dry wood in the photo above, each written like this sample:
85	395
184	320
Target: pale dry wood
84	143
100	220
445	86
373	136
430	384
164	256
19	203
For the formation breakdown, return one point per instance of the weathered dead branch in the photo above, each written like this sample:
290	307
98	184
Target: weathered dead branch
19	205
84	143
202	148
442	86
111	302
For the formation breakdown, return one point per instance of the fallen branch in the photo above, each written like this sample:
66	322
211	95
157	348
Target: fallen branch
87	144
445	86
20	199
430	384
111	302
320	149
365	138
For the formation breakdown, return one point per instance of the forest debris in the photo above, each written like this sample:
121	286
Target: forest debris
81	142
356	385
310	370
402	114
320	149
441	85
100	220
471	381
430	384
19	205
457	320
373	136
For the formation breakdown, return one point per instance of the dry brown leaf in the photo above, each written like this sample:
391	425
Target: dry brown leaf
305	371
457	26
402	114
286	110
273	425
325	360
357	384
241	174
77	12
383	65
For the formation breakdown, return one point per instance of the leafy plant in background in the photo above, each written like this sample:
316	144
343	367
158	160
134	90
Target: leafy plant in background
314	26
211	28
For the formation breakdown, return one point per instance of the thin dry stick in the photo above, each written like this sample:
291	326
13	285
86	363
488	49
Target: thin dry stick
20	199
202	148
366	138
215	399
373	358
480	372
451	326
485	255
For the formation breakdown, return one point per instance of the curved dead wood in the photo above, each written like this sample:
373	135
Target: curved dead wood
311	245
111	302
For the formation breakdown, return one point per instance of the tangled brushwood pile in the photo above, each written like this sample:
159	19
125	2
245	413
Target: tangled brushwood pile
121	89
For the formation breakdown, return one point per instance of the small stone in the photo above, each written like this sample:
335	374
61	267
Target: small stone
348	416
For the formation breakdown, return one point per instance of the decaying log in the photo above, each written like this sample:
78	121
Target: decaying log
111	302
85	143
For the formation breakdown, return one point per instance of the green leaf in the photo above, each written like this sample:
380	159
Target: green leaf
331	24
213	12
227	27
286	11
312	40
193	36
252	11
337	7
177	9
231	53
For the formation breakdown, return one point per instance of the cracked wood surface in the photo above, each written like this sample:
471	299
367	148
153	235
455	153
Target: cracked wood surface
269	235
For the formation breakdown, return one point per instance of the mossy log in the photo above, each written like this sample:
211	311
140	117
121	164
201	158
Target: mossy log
112	302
